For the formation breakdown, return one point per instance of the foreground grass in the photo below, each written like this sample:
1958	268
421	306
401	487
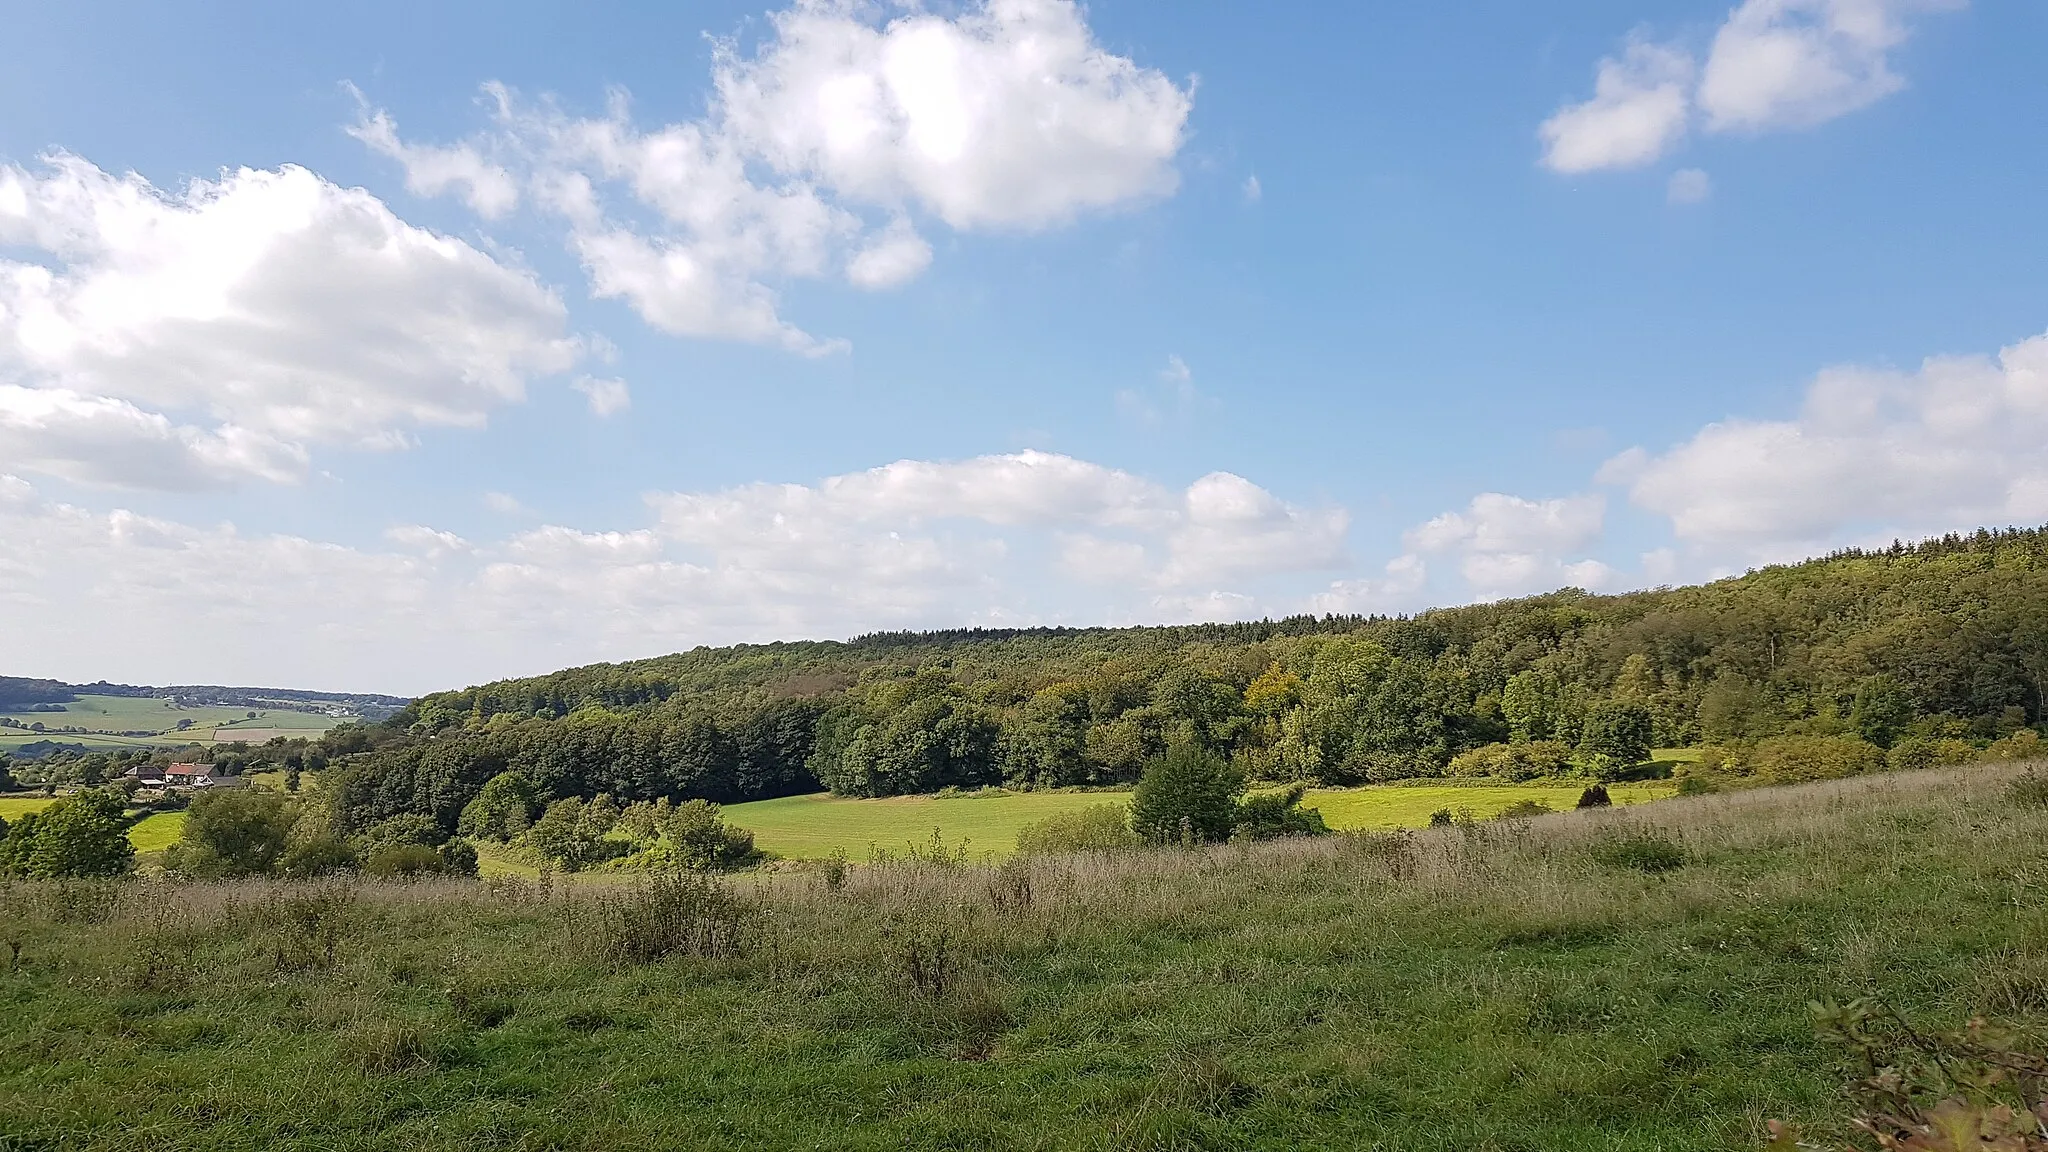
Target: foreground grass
1492	987
815	826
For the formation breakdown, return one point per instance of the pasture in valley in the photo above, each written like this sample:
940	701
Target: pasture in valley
817	825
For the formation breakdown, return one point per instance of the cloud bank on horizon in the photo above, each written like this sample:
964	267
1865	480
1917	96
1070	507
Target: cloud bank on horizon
249	331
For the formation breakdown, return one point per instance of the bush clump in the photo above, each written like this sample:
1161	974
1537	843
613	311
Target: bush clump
1096	828
1929	752
672	914
1796	759
1525	761
1595	797
1272	815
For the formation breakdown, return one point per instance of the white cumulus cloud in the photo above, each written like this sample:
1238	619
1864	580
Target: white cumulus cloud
817	150
1638	111
1797	63
1511	546
164	339
1773	65
1028	537
606	397
1007	115
1872	454
488	189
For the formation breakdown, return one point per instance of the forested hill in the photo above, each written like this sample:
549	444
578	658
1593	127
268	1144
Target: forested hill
1947	639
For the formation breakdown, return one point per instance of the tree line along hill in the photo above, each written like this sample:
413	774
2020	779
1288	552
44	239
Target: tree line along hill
1928	652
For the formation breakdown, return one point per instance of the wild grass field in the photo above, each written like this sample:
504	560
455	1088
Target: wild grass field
816	825
1610	979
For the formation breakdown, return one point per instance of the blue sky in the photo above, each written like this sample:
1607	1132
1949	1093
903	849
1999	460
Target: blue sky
399	348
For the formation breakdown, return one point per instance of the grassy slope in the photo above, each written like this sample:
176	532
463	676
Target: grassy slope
810	827
152	714
1476	988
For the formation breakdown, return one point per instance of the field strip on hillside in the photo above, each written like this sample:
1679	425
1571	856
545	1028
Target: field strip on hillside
814	826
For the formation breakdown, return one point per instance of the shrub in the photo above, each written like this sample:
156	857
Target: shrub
320	854
1523	809
1792	759
1517	762
1271	815
1442	818
1928	752
81	835
1640	852
1696	784
699	838
672	914
2024	744
402	861
1096	828
1186	794
233	832
1595	797
570	839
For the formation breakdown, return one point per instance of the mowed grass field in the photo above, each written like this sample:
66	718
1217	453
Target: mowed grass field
152	833
13	806
815	826
156	831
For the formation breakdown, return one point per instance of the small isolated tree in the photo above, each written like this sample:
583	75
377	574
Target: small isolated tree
1616	737
699	838
233	832
1595	797
81	835
1186	794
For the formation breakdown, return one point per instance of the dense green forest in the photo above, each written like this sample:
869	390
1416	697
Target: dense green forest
1918	653
1944	642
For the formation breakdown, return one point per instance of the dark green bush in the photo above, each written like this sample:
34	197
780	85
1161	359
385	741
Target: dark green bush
1186	794
1595	797
1272	815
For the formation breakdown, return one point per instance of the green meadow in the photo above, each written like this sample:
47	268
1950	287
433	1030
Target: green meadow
1546	983
817	825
